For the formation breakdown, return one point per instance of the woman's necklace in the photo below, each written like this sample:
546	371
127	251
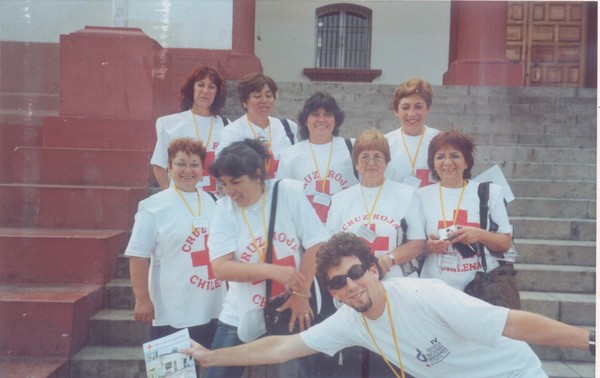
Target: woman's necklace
207	142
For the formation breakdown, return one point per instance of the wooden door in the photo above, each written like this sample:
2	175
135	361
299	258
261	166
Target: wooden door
549	38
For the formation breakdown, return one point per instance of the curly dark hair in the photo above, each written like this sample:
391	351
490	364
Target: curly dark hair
315	102
343	244
241	158
187	89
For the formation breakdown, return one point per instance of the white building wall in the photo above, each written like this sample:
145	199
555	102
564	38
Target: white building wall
409	38
205	24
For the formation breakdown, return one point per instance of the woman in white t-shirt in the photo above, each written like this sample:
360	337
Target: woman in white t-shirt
451	210
238	245
171	275
409	143
202	98
257	94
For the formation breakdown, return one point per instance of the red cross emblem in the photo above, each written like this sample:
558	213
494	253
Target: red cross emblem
321	210
381	243
461	220
272	165
278	288
201	258
423	175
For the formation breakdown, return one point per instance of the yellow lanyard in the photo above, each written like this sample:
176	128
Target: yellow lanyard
209	132
188	205
261	254
412	161
457	206
323	182
389	311
268	162
370	213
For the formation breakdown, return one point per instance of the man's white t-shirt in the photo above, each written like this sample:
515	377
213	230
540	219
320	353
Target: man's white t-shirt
183	288
298	163
297	228
441	332
396	202
181	125
241	129
451	267
400	164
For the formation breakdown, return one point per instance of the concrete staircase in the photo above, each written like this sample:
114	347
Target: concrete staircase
544	139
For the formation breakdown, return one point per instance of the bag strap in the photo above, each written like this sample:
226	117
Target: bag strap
225	121
349	145
484	195
288	130
271	229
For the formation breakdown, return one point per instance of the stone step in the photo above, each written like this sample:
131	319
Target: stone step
572	308
117	327
543	171
552	208
12	136
562	189
46	320
34	367
86	167
120	294
550	252
56	206
528	139
560	369
25	118
59	256
541	154
556	278
74	132
554	228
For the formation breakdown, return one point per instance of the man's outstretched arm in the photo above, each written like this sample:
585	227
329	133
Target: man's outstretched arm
264	351
537	329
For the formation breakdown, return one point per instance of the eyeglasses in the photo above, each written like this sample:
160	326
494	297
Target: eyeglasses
354	273
365	158
452	156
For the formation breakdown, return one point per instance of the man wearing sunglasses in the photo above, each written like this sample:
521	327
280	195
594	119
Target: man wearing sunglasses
421	326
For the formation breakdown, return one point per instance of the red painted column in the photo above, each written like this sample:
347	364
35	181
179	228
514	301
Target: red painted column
243	60
478	46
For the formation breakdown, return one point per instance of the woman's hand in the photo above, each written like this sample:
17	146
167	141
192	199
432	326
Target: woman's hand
289	277
301	311
143	311
437	246
467	235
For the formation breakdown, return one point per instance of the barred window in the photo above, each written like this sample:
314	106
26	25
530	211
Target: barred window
343	36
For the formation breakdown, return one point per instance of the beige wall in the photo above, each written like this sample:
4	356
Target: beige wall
409	38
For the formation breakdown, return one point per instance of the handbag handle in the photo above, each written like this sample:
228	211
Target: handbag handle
271	229
484	195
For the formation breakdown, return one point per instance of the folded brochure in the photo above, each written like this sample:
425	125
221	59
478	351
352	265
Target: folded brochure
164	356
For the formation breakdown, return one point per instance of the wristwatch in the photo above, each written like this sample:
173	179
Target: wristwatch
391	257
592	343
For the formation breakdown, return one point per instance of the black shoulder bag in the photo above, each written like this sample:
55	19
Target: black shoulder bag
498	286
277	323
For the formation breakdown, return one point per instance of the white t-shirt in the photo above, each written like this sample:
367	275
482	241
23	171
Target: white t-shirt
297	162
297	228
181	125
275	133
400	165
441	332
396	201
182	287
451	267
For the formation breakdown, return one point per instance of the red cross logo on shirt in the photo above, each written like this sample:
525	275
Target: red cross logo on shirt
321	210
212	187
381	243
272	165
278	288
461	219
423	175
201	258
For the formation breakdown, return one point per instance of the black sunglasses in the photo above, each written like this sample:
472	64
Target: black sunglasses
354	273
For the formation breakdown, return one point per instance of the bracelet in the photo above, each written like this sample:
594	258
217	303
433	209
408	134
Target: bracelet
391	257
301	295
592	343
